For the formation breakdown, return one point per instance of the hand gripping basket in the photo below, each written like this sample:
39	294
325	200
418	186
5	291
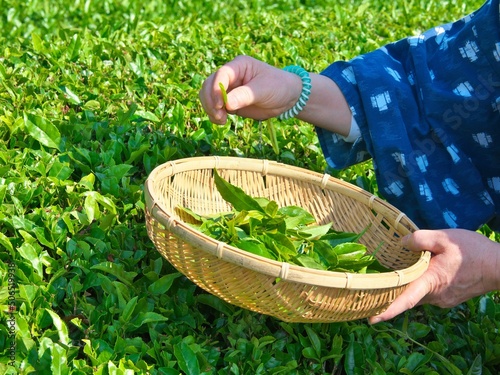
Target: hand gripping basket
288	292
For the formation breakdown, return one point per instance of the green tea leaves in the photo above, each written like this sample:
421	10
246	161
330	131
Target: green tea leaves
287	234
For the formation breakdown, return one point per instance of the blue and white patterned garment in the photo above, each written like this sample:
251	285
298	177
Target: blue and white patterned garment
428	108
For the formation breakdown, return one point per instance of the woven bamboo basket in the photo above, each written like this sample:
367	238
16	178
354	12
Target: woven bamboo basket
288	292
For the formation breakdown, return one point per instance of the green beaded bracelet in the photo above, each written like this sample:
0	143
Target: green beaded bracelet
304	95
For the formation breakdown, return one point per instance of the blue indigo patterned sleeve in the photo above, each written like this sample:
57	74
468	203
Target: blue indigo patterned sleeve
428	111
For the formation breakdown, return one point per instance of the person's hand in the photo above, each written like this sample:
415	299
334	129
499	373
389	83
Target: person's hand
464	264
254	89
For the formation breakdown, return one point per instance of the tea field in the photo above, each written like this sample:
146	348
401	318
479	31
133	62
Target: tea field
93	96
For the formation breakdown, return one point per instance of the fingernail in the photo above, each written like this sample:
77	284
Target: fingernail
374	320
405	239
218	114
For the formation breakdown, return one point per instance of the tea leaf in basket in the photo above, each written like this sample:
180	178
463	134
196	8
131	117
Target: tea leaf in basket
353	257
296	217
335	238
189	215
348	248
327	254
255	247
307	261
271	208
235	196
313	232
280	245
281	239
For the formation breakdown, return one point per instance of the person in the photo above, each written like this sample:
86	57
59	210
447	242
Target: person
426	109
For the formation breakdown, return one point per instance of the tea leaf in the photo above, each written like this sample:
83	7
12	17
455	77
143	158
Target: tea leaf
224	93
37	43
187	359
236	196
74	47
255	247
42	130
327	253
272	136
116	270
163	284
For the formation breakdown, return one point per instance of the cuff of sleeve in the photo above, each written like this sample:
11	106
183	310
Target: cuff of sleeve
354	132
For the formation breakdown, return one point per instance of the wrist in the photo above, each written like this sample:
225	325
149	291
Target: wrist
293	86
305	92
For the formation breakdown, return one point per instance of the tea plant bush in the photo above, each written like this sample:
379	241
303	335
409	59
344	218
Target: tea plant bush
93	96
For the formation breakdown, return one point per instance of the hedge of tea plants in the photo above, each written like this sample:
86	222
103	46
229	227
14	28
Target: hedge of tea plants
93	96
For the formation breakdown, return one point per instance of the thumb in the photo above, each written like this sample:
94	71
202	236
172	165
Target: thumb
407	300
425	240
239	98
416	291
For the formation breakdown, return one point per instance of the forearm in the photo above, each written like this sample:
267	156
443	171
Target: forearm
490	268
327	107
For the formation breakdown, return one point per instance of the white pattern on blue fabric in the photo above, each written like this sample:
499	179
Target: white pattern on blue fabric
348	75
450	186
440	34
399	158
453	151
469	51
425	191
474	30
416	40
395	188
494	184
450	218
464	89
381	101
467	18
496	52
393	73
486	198
496	104
411	78
336	138
484	139
443	45
422	163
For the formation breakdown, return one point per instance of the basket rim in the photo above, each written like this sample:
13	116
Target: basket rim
282	270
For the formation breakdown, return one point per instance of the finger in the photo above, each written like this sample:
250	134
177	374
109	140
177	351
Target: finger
211	99
411	297
229	77
421	240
